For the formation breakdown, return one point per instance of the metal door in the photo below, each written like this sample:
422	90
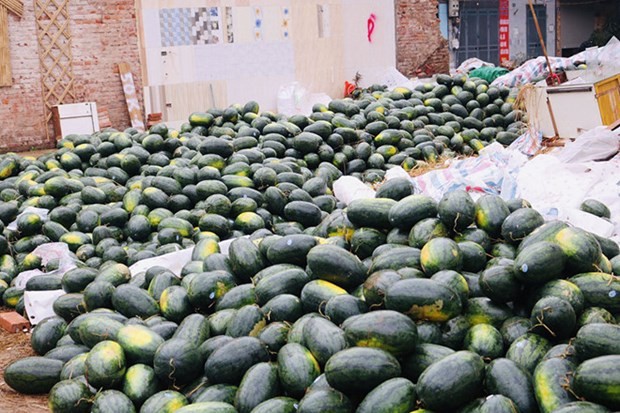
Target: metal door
534	49
479	33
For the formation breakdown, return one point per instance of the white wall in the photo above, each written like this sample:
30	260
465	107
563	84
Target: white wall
295	41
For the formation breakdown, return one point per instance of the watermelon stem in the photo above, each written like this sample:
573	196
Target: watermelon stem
456	219
565	384
541	321
171	364
567	351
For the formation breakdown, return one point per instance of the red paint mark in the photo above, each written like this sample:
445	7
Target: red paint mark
370	26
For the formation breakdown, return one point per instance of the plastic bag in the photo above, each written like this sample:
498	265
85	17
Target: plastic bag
291	98
486	174
607	60
488	73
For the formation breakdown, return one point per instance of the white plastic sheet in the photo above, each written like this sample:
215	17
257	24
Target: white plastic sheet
38	304
557	189
596	144
174	261
48	252
42	212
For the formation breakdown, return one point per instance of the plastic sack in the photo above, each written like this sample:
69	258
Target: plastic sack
348	188
596	144
607	61
492	172
534	70
471	64
56	251
488	73
38	304
528	144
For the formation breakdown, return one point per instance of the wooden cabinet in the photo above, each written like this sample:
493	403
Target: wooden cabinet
608	97
78	118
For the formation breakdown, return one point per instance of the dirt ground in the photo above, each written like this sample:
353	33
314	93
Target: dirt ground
37	153
13	347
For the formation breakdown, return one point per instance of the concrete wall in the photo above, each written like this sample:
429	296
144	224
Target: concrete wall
519	10
103	34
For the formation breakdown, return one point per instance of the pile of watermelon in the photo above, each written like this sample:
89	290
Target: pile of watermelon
388	304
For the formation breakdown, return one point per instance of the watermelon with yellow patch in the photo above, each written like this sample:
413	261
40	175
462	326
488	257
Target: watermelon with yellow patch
423	299
440	254
385	329
139	343
582	250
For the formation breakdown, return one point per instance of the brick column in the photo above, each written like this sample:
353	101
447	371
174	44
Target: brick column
419	41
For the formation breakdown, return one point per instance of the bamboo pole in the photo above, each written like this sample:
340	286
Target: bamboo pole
540	36
544	49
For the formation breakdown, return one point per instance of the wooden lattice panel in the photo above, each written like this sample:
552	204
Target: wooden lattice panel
54	39
6	6
5	57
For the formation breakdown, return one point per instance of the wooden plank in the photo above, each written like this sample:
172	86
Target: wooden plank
309	48
141	41
6	77
133	106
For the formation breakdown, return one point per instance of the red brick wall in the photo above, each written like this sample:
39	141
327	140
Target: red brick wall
104	33
419	42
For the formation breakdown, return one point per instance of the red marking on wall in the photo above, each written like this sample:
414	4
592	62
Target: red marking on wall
370	26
